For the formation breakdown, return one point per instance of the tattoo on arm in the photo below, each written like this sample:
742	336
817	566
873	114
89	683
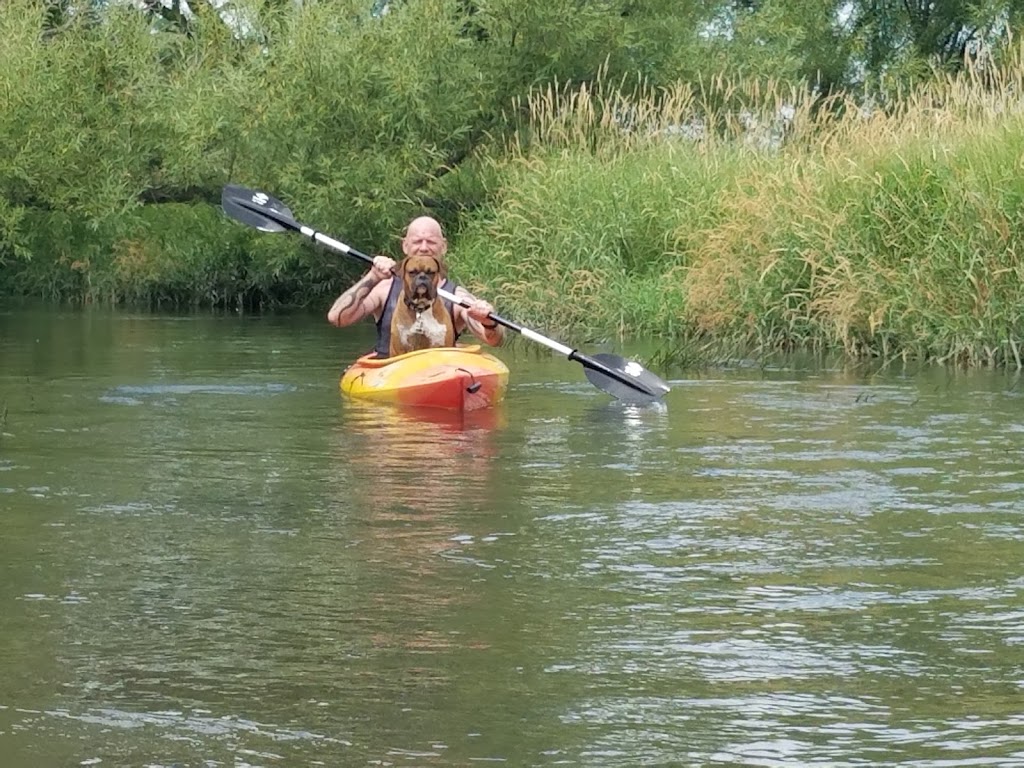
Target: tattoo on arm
354	295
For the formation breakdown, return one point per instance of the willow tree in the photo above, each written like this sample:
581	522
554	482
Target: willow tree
123	114
858	47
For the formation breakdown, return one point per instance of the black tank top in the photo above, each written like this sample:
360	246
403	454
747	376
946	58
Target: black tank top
383	348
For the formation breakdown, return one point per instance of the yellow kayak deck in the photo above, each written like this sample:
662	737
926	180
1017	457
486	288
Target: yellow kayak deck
457	378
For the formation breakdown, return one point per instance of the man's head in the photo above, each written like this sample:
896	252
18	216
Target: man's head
424	237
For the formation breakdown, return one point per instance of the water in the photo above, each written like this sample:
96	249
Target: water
209	558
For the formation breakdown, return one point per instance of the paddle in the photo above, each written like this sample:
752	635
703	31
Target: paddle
620	378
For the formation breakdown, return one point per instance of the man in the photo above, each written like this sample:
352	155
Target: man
378	291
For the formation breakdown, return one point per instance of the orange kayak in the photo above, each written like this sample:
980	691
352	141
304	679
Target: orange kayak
458	378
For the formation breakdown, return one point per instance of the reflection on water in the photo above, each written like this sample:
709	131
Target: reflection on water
210	558
401	464
409	475
417	456
168	393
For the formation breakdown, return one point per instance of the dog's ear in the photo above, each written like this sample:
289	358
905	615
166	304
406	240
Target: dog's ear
400	267
442	267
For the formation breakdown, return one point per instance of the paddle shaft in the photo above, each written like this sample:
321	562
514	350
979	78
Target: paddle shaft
260	210
569	352
556	346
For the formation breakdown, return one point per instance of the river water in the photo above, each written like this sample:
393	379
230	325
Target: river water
209	558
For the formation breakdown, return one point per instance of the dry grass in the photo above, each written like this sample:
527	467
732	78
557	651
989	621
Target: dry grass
778	222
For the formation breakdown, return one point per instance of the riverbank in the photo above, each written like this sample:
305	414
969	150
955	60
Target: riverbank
721	215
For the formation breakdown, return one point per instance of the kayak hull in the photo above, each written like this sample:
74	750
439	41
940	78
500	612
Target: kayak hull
454	378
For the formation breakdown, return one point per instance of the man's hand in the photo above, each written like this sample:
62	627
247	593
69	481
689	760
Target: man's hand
381	269
488	330
478	310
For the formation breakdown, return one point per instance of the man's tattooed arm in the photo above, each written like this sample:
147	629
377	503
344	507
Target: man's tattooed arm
348	308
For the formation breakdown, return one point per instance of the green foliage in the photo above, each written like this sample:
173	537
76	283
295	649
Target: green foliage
793	40
890	236
595	168
352	116
577	243
903	42
170	255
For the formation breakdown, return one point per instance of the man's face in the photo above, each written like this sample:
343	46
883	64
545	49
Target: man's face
424	240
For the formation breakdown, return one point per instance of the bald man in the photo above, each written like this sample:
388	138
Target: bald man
378	291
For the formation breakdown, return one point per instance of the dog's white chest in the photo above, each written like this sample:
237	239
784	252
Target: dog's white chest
425	325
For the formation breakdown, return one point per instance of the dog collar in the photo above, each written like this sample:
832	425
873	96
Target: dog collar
411	304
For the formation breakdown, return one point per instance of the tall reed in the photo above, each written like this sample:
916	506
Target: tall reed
754	214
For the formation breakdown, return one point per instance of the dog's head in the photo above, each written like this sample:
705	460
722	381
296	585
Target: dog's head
421	277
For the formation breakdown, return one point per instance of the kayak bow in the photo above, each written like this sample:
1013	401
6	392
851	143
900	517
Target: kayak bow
458	378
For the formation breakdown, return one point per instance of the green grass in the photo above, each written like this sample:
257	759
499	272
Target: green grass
891	236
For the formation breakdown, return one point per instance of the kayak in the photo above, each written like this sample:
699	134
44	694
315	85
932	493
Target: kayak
457	378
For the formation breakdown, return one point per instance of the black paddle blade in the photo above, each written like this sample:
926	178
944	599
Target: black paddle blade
257	209
631	382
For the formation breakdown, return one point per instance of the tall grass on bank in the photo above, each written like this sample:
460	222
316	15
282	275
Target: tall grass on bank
770	224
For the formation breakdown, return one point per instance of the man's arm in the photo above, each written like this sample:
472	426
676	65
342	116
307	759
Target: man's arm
366	297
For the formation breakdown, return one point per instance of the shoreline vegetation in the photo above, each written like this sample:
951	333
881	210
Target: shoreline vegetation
713	213
895	235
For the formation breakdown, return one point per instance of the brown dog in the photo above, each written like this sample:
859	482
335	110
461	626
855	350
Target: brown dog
420	320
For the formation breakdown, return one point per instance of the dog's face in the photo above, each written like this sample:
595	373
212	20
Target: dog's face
421	277
420	320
